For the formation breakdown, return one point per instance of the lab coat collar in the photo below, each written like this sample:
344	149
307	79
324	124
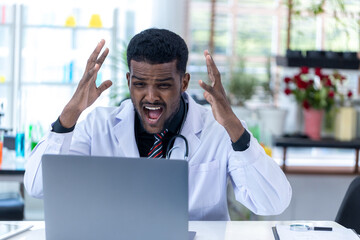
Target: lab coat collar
193	122
191	130
123	129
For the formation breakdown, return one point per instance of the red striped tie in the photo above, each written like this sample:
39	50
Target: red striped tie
156	150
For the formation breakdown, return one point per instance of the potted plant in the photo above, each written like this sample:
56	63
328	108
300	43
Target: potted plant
316	93
241	88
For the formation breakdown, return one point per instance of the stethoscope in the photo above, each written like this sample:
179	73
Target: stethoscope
178	135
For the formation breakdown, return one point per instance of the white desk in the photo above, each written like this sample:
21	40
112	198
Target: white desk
245	230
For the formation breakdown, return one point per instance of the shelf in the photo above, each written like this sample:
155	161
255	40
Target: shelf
286	142
320	170
6	24
64	27
7	83
49	84
323	143
353	64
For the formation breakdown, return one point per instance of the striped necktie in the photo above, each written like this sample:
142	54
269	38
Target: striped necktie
156	150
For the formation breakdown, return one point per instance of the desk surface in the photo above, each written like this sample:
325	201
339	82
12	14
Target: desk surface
205	230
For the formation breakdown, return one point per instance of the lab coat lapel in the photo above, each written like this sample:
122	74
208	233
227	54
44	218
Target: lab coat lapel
191	131
124	131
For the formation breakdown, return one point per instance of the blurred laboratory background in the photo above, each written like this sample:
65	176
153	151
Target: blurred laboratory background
277	58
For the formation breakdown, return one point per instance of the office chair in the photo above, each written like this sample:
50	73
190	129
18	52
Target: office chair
349	211
11	203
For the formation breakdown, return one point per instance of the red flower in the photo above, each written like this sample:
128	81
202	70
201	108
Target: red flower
287	80
297	77
309	93
306	104
304	70
324	77
318	72
288	91
328	82
301	84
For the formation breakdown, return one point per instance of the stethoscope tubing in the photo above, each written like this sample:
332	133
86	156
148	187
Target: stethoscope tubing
172	140
168	151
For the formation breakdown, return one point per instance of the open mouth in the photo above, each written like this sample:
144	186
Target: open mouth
153	113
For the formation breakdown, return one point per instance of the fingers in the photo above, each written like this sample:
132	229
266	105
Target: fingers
103	56
91	73
94	55
216	89
207	89
103	86
213	72
208	98
205	86
95	62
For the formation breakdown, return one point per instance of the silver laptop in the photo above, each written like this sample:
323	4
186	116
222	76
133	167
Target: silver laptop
115	198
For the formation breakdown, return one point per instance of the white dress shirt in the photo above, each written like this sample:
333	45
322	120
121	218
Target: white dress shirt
259	183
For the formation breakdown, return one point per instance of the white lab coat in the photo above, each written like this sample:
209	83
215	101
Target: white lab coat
258	182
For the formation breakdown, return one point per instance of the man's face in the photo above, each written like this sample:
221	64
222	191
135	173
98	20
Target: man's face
155	91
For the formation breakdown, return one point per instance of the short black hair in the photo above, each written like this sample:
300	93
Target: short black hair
157	46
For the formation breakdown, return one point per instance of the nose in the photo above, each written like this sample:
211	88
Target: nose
152	94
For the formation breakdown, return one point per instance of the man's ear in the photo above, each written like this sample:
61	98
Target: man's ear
185	82
128	79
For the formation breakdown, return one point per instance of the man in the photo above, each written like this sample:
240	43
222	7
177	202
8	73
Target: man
219	145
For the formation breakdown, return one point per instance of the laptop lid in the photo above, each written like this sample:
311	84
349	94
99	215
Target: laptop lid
87	197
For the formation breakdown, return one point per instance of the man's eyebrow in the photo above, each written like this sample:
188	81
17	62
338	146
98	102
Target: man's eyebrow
158	80
139	78
164	79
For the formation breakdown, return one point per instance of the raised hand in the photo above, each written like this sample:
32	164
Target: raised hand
86	92
216	96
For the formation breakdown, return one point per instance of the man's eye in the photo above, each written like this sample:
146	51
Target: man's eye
164	85
139	84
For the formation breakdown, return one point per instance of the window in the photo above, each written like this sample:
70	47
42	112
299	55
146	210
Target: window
254	31
243	32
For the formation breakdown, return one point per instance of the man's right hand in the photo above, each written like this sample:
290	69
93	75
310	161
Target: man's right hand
86	92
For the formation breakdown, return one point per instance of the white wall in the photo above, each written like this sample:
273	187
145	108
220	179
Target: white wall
315	197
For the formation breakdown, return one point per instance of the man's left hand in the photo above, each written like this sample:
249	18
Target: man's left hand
216	96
